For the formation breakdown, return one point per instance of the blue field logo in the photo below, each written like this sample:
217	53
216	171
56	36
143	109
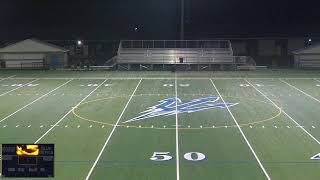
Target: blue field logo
168	107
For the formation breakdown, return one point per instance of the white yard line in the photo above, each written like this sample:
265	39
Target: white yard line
18	87
33	102
7	78
37	141
298	125
243	135
110	135
300	90
177	130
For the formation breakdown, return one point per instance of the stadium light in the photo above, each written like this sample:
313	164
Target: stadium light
79	42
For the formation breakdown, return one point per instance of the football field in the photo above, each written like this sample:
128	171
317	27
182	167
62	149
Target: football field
167	126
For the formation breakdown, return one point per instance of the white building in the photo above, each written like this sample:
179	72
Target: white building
308	57
33	53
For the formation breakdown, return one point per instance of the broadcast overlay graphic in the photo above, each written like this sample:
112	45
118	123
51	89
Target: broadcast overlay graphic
28	160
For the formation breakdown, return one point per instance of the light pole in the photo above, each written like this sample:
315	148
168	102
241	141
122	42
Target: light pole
182	21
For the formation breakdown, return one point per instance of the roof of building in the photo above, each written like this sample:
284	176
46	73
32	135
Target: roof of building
31	46
313	49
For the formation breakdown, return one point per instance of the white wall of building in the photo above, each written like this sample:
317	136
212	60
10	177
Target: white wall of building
33	52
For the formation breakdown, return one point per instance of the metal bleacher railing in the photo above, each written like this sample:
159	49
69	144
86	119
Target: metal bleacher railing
174	44
179	52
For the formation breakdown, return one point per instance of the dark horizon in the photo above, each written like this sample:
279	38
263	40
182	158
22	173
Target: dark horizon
155	19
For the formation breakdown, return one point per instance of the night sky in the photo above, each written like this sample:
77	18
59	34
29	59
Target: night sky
156	19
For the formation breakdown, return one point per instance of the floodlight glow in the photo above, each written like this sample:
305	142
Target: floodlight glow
79	43
310	40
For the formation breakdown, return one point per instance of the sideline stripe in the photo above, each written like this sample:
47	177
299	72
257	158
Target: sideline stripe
156	78
300	90
177	130
298	125
114	128
69	112
34	101
243	135
18	87
7	78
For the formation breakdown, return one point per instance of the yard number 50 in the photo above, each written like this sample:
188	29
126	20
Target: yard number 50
190	156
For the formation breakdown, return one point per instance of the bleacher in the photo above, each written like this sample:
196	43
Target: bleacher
309	63
176	52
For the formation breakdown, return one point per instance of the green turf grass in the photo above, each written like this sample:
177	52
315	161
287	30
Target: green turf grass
283	148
